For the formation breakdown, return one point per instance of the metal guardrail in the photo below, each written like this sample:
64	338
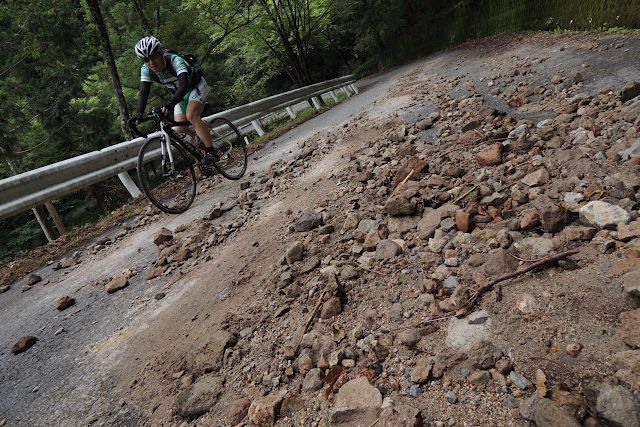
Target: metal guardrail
29	189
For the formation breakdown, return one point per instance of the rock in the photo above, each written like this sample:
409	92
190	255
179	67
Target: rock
357	401
64	303
630	327
574	349
602	214
451	397
491	156
475	260
429	223
402	224
552	217
162	236
351	222
117	283
463	221
399	416
452	170
331	308
33	279
519	132
310	264
415	390
499	262
208	357
534	247
550	414
470	125
291	404
421	371
200	397
629	91
348	272
465	333
627	364
387	249
529	219
519	381
263	411
632	111
528	407
305	363
4	288
479	377
527	304
504	365
23	344
238	411
629	231
294	252
617	405
399	206
409	337
577	232
630	153
631	283
537	178
313	380
308	220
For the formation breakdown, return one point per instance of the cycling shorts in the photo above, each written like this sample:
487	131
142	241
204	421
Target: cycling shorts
198	94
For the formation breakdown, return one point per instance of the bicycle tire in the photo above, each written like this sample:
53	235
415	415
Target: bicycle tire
171	191
228	138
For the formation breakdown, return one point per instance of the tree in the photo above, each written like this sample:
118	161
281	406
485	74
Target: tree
114	78
290	25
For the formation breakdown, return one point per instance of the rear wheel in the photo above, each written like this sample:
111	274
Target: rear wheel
232	147
171	186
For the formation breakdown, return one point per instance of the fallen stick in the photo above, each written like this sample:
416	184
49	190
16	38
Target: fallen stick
465	194
540	263
313	314
422	323
406	178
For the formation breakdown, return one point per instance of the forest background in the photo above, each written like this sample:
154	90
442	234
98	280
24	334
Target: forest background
69	76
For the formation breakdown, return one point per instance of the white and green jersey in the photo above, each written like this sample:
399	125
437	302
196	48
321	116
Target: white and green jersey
169	75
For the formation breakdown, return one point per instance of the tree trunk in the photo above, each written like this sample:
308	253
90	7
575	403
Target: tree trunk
114	78
146	26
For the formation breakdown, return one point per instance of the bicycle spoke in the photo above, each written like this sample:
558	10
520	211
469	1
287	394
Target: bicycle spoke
170	185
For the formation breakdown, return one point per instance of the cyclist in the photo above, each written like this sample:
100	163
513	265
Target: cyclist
174	72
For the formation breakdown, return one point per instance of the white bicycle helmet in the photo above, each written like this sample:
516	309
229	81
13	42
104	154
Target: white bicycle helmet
146	47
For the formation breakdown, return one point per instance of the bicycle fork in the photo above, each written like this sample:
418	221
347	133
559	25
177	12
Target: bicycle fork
165	151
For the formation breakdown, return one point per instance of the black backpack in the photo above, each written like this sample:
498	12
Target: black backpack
195	75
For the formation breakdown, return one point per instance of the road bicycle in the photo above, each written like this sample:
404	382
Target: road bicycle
166	163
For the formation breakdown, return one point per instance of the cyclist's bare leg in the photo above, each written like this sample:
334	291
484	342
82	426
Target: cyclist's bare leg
194	115
183	129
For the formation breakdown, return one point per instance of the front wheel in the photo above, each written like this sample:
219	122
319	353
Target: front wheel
170	185
232	148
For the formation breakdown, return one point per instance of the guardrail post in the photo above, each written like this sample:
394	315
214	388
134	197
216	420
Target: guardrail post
334	96
42	220
316	103
57	220
131	186
258	127
291	113
354	88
